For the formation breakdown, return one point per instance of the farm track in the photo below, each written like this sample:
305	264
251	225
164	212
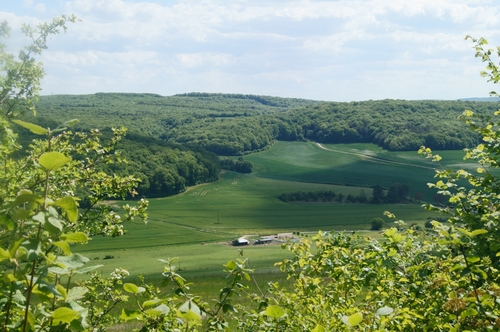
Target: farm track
198	229
373	159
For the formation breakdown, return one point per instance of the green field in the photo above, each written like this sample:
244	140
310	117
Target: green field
198	225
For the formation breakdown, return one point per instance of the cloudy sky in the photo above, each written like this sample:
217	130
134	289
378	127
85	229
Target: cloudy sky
324	50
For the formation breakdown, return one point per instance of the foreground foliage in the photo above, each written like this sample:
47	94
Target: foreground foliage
442	279
40	219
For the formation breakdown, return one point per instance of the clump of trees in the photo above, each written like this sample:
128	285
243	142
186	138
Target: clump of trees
323	196
397	193
446	279
239	165
301	196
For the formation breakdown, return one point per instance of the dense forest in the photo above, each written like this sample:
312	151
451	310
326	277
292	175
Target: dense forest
165	169
173	142
232	124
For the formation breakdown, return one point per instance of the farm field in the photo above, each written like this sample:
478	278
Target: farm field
358	164
198	225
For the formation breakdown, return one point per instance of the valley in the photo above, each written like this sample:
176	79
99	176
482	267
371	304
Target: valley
198	225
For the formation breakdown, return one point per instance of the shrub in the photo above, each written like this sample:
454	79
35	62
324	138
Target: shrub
377	224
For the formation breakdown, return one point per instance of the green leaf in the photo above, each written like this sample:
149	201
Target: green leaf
53	225
73	261
35	129
53	160
64	246
163	308
353	319
384	311
62	291
318	328
77	237
153	312
76	293
128	314
40	217
45	291
473	259
4	254
495	246
63	315
131	288
188	315
189	310
68	204
26	197
22	214
31	320
274	311
464	232
68	123
231	265
478	232
150	303
468	312
33	249
14	246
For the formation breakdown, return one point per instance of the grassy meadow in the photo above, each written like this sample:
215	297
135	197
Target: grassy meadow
198	225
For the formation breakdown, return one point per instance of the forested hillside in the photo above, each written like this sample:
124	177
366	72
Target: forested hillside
166	169
172	142
392	124
237	124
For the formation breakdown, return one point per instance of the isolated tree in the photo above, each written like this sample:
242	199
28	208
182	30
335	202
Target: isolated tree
378	195
419	196
392	195
340	198
362	198
439	198
377	224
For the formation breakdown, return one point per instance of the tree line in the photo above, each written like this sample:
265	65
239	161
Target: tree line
397	193
240	165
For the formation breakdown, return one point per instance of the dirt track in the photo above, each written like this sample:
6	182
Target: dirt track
374	159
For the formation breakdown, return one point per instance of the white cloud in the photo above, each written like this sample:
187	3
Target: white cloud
204	59
346	50
38	7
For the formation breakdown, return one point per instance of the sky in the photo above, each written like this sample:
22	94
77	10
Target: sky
348	50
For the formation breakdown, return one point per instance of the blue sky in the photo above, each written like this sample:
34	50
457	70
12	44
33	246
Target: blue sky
323	50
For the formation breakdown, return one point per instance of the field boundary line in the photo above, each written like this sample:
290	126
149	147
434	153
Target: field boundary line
374	159
198	229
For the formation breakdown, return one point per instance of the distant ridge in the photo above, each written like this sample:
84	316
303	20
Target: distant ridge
484	99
